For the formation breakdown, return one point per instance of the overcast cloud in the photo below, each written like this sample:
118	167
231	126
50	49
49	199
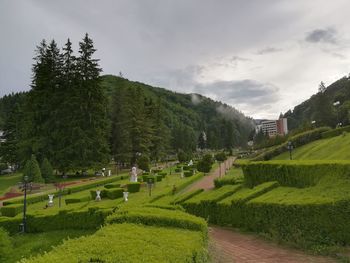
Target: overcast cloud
262	57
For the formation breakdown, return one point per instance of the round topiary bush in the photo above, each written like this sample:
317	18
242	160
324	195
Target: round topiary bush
133	187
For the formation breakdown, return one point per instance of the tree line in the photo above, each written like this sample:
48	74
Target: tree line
77	119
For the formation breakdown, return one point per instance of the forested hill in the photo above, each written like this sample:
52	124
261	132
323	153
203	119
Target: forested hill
320	108
188	115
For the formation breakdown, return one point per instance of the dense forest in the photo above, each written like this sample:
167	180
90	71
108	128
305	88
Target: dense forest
78	119
329	107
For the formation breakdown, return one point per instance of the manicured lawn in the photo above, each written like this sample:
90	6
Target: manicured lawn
7	181
336	148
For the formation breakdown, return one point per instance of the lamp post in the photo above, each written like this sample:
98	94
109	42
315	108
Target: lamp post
24	221
290	148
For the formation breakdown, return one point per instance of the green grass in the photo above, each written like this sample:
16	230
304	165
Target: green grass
336	148
34	244
7	181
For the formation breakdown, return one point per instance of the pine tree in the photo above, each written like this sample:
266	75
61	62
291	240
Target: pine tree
32	170
47	171
90	126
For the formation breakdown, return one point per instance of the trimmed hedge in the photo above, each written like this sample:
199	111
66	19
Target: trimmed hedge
297	140
163	174
159	217
109	186
188	173
11	210
159	177
35	198
293	173
77	199
91	218
129	243
177	170
133	187
204	203
226	180
335	132
184	197
115	193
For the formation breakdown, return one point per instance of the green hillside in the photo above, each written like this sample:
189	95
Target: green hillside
336	148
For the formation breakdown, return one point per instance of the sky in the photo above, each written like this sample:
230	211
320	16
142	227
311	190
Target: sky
262	57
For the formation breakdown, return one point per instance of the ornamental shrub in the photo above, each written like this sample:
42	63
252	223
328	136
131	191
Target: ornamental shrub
159	177
205	164
74	200
133	187
11	210
188	173
47	171
220	157
163	174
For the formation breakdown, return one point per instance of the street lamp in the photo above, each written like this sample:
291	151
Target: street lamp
290	148
24	221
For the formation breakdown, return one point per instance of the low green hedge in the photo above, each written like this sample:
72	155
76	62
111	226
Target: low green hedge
77	199
91	218
188	173
184	197
133	187
226	180
177	170
109	186
297	141
115	193
204	203
11	210
35	198
163	174
335	132
293	173
159	217
159	177
129	243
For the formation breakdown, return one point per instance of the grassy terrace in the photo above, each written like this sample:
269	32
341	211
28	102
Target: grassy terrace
336	148
7	181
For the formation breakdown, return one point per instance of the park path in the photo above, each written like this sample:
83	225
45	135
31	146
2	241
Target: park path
229	245
207	182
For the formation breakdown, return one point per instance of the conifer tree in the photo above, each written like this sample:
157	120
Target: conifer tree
32	170
47	171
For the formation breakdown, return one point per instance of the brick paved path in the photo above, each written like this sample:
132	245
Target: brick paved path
232	246
207	182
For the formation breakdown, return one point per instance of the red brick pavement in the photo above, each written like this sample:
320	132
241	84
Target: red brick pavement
207	182
231	246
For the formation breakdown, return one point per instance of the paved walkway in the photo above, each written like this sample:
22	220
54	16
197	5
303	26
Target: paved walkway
231	246
207	182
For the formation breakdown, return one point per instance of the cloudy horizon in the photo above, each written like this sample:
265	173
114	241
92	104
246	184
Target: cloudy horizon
261	57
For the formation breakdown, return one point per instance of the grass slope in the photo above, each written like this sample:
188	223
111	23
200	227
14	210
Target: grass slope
336	148
7	181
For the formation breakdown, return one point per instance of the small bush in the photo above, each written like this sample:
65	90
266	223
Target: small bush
220	157
163	174
11	210
159	177
205	164
177	170
226	180
133	187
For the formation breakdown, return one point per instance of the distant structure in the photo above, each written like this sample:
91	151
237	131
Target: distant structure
273	127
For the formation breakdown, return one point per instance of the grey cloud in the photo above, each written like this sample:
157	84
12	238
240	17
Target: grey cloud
328	35
248	95
268	50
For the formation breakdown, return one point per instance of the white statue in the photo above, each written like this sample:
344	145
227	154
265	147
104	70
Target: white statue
182	172
51	200
98	197
133	177
125	195
190	163
109	172
103	171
